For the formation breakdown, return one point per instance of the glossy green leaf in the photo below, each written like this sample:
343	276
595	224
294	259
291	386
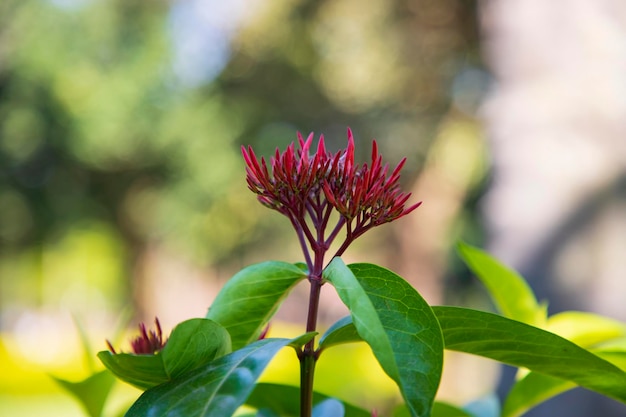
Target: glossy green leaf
92	392
443	409
509	291
285	400
585	329
193	343
522	345
399	326
342	331
213	390
251	297
141	371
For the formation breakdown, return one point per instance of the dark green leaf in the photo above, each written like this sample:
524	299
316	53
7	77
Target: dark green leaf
193	343
91	392
391	316
214	390
285	400
510	292
343	331
141	371
251	297
265	413
440	409
522	345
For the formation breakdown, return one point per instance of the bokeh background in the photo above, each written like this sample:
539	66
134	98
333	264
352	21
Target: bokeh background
122	189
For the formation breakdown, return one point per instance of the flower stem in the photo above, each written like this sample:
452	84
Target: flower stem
307	370
308	356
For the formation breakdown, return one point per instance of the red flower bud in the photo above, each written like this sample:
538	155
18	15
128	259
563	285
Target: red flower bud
307	188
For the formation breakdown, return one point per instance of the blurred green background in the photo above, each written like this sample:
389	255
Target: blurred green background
123	193
122	189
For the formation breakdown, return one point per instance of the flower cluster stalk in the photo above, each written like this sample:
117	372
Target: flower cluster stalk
309	189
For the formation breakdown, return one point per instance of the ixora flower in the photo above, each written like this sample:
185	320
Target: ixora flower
148	342
308	188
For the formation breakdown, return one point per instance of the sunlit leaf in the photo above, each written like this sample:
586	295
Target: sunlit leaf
535	388
617	358
531	390
285	400
214	390
391	316
522	345
193	343
92	392
585	329
251	297
509	291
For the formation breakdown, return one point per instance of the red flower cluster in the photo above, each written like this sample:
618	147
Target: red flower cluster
303	186
148	342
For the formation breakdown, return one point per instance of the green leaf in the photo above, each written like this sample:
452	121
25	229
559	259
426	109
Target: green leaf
342	331
535	388
285	400
251	297
522	345
399	326
265	413
510	292
617	358
302	340
585	329
440	409
531	390
214	390
193	343
141	371
92	392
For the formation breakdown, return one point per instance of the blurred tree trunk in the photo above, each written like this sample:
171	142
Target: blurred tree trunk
556	125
